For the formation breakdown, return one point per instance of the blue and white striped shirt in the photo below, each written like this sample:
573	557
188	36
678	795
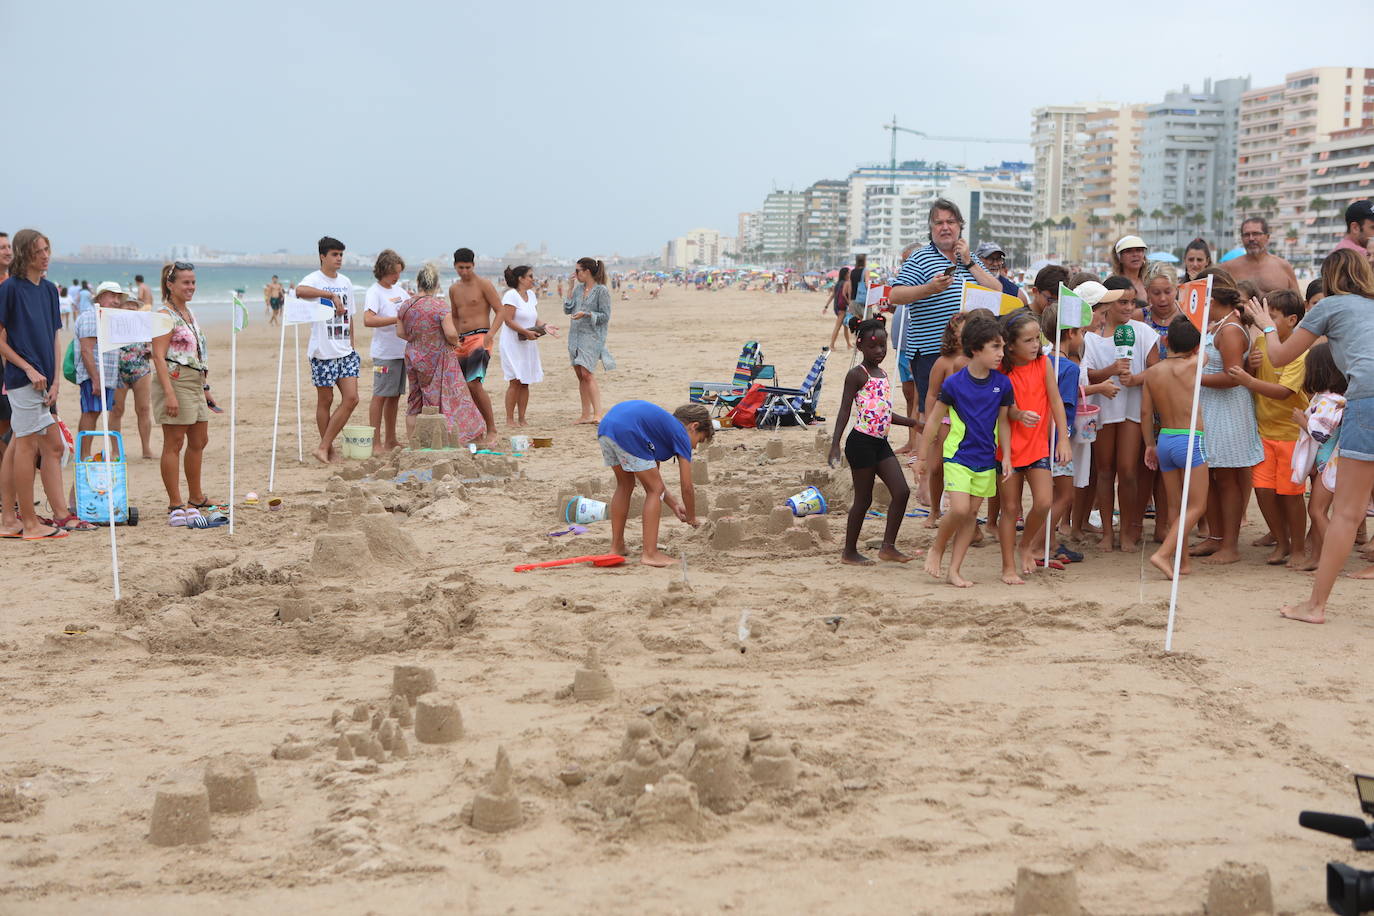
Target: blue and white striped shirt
926	319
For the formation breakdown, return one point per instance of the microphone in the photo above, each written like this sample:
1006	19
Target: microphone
1351	828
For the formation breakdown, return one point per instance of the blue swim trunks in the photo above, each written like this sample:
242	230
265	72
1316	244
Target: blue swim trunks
325	373
1172	446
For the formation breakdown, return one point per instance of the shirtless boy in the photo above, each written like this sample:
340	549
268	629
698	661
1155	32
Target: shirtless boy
1267	271
1168	392
475	306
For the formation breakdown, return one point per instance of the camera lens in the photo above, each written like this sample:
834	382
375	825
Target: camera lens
1349	891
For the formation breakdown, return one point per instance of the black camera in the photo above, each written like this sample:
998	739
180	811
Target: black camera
1349	891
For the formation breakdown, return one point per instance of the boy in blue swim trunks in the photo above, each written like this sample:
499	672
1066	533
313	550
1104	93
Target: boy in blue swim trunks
1168	392
978	400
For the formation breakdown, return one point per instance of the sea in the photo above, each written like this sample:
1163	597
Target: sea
215	283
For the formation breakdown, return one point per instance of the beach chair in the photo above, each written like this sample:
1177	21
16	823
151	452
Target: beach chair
794	406
722	396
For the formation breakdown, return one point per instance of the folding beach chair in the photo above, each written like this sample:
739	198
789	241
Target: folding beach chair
794	406
722	396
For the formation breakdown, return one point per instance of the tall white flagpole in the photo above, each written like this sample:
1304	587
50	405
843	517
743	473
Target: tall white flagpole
1049	517
276	410
109	469
300	438
233	402
1187	474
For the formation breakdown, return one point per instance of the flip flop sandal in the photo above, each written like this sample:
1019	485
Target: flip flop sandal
1067	555
201	521
55	533
74	523
204	505
1053	564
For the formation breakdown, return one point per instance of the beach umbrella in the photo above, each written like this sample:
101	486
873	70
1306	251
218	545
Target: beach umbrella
1230	255
1162	256
832	274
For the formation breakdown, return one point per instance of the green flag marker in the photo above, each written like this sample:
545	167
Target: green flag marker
240	315
1073	311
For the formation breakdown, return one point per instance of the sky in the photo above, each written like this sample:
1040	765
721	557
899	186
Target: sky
596	127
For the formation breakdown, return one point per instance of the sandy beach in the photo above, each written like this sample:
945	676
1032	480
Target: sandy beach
907	757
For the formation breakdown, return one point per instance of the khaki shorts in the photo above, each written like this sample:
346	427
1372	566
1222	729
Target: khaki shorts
189	387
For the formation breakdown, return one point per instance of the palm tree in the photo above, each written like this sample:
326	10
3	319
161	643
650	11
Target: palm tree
1218	217
1094	221
1136	214
1035	228
1066	225
982	229
1156	215
1267	205
1244	203
1291	237
1177	211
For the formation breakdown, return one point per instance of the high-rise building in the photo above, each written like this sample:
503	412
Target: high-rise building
749	236
824	224
781	222
697	248
1109	171
1187	153
897	216
995	211
1057	139
1279	125
1340	171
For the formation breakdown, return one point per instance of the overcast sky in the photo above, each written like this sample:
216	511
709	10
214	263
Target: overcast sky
594	126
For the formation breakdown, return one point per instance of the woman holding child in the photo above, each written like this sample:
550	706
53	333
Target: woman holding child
1345	317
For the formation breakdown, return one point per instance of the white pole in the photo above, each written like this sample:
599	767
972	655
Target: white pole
300	439
1187	479
233	406
1049	517
276	411
109	469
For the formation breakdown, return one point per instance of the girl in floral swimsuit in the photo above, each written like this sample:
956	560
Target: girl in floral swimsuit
868	389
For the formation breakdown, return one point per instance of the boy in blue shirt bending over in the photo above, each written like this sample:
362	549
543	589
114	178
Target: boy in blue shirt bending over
635	436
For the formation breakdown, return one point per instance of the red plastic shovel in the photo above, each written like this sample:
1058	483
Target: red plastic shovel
605	559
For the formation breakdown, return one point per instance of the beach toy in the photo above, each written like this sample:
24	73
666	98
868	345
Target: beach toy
584	511
520	443
543	442
807	502
357	441
1085	422
274	504
97	480
605	559
571	529
251	499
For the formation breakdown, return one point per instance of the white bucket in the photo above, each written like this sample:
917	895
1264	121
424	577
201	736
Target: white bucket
357	441
1085	422
807	502
584	511
520	443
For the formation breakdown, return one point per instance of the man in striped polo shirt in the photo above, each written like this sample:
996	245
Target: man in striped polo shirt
930	285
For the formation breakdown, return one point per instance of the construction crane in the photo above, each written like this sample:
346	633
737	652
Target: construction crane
894	127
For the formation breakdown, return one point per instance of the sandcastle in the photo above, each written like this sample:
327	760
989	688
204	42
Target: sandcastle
779	520
728	533
701	470
293	748
437	719
1046	890
774	448
181	814
639	730
671	807
715	772
643	771
590	682
496	807
344	749
411	681
230	785
1239	889
339	553
772	764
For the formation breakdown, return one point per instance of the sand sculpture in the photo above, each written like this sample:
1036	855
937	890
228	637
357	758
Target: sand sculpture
1046	890
1239	889
293	748
181	814
715	772
590	682
411	681
643	771
728	533
779	520
230	785
496	807
772	764
344	749
774	448
671	807
437	719
701	470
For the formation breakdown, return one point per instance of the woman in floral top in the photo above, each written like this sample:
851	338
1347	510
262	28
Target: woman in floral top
180	401
425	323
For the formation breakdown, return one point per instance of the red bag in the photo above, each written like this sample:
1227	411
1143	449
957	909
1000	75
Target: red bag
745	415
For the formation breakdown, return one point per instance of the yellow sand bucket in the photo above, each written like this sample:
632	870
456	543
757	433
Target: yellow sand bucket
357	441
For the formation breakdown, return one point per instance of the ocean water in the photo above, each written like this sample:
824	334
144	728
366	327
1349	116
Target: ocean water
215	284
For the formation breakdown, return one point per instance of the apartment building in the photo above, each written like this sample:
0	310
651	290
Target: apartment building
1340	171
1109	171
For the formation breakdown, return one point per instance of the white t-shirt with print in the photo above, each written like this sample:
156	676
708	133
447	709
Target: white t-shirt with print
330	339
384	303
1101	352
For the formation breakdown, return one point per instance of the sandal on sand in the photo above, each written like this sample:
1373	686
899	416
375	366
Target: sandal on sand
1068	556
54	534
73	523
201	521
1052	564
178	516
202	505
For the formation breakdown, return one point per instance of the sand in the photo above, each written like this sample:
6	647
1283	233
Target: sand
913	746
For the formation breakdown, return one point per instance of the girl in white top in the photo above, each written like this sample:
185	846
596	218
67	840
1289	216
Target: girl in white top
1123	349
520	332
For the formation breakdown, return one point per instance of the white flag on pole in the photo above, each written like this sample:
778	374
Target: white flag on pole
305	311
121	327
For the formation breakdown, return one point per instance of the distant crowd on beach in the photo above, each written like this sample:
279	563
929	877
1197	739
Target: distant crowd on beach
1286	412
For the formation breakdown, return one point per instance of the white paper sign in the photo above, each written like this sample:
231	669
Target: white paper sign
120	327
305	311
976	297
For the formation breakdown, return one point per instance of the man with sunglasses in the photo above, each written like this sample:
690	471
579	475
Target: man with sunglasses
1267	271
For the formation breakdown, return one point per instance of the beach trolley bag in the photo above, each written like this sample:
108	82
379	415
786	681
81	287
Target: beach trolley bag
745	414
97	477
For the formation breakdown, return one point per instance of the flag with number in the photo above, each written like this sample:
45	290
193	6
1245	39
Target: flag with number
1074	311
1192	301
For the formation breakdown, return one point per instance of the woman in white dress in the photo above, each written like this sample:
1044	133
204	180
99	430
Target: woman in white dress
520	333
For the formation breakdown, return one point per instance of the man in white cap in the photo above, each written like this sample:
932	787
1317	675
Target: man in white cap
1267	271
107	295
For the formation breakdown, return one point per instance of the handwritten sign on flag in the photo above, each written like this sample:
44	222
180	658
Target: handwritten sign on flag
305	311
121	327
